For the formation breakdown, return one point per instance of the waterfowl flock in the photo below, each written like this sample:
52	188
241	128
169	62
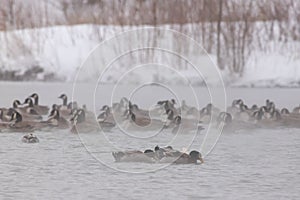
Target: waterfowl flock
30	116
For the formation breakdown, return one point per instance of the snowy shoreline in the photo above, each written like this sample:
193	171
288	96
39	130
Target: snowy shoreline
56	53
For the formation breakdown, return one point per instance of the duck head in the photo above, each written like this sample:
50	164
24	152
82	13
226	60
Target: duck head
276	115
177	120
54	114
16	103
254	107
285	111
29	102
64	98
195	155
148	151
35	96
258	115
225	118
16	117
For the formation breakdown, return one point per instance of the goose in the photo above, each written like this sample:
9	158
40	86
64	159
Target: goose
106	119
57	121
4	117
186	126
226	123
18	125
79	124
43	110
141	123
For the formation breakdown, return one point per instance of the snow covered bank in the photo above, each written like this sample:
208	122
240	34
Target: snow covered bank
59	52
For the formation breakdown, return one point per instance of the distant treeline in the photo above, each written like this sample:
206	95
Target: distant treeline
230	29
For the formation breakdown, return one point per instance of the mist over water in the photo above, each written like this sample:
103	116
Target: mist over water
258	164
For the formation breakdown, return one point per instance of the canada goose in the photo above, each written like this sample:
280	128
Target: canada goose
227	124
186	125
18	125
43	110
57	121
208	112
142	123
80	124
4	117
106	119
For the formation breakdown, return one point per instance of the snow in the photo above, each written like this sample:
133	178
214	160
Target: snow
62	49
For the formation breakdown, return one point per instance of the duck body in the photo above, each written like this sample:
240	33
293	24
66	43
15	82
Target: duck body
133	156
42	110
158	156
30	138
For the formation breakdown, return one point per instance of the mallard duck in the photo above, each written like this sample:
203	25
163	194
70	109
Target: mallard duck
135	156
190	158
30	138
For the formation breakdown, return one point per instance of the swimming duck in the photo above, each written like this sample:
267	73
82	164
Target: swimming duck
208	112
184	158
134	156
43	110
30	138
141	123
186	125
226	123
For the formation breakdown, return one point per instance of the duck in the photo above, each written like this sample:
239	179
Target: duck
56	121
235	106
30	138
106	119
186	125
29	111
65	109
18	125
79	124
226	123
148	156
132	122
296	110
208	112
192	158
4	116
244	114
43	110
